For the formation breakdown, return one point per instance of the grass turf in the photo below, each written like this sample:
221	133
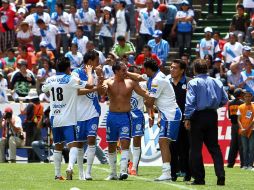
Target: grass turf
41	177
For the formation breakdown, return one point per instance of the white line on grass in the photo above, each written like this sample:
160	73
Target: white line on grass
150	180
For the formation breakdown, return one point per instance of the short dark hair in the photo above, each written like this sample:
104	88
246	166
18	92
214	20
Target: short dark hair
11	50
120	38
80	28
63	64
200	66
60	5
90	55
151	64
240	6
132	68
117	66
216	32
24	48
147	47
40	21
181	63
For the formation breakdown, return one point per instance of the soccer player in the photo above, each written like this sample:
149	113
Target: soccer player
138	124
88	112
63	113
119	90
163	97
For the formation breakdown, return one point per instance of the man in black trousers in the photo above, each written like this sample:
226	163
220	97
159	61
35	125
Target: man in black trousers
204	96
235	143
180	148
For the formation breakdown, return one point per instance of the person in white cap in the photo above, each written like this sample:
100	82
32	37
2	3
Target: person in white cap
106	23
240	60
32	19
159	46
207	45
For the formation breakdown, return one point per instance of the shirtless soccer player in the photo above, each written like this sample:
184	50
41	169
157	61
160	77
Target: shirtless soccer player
119	90
63	112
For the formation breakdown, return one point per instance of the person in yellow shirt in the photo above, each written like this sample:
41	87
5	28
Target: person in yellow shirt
245	120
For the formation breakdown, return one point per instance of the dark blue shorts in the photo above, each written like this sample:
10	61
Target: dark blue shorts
138	124
87	128
66	134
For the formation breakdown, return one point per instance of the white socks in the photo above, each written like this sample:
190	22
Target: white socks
136	156
166	168
57	162
112	162
90	158
124	161
72	157
80	161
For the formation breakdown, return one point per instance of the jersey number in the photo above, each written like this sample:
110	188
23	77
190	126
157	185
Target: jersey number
59	94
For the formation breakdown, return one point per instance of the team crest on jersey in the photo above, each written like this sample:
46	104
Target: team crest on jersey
91	95
125	129
153	90
134	103
57	112
94	127
184	86
138	127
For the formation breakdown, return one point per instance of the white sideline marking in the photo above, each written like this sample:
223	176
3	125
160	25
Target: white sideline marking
150	180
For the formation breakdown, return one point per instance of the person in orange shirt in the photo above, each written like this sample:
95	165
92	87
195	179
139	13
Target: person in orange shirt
29	57
245	120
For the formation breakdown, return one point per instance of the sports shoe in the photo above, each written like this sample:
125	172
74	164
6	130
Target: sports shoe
61	178
163	177
88	176
221	181
133	172
123	176
244	168
112	177
69	174
130	164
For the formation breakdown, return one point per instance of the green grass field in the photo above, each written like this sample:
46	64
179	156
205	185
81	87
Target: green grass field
41	177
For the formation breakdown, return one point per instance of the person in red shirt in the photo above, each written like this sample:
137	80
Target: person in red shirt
147	53
220	41
7	33
29	57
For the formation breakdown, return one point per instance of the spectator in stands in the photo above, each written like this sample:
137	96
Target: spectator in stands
122	21
189	66
148	21
183	25
32	20
218	71
3	88
248	6
107	68
73	21
244	56
44	72
81	40
33	113
48	34
86	19
106	24
235	143
12	134
209	62
211	8
245	120
250	33
231	49
60	19
29	57
147	53
21	80
167	15
7	32
221	42
239	23
234	77
20	17
207	45
74	56
90	47
122	48
2	61
44	53
247	82
25	36
159	46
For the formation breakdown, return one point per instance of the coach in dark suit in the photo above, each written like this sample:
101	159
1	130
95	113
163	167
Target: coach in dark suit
204	96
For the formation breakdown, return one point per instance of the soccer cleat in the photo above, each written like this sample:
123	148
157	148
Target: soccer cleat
163	177
130	164
69	174
88	176
123	176
112	177
133	172
60	178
